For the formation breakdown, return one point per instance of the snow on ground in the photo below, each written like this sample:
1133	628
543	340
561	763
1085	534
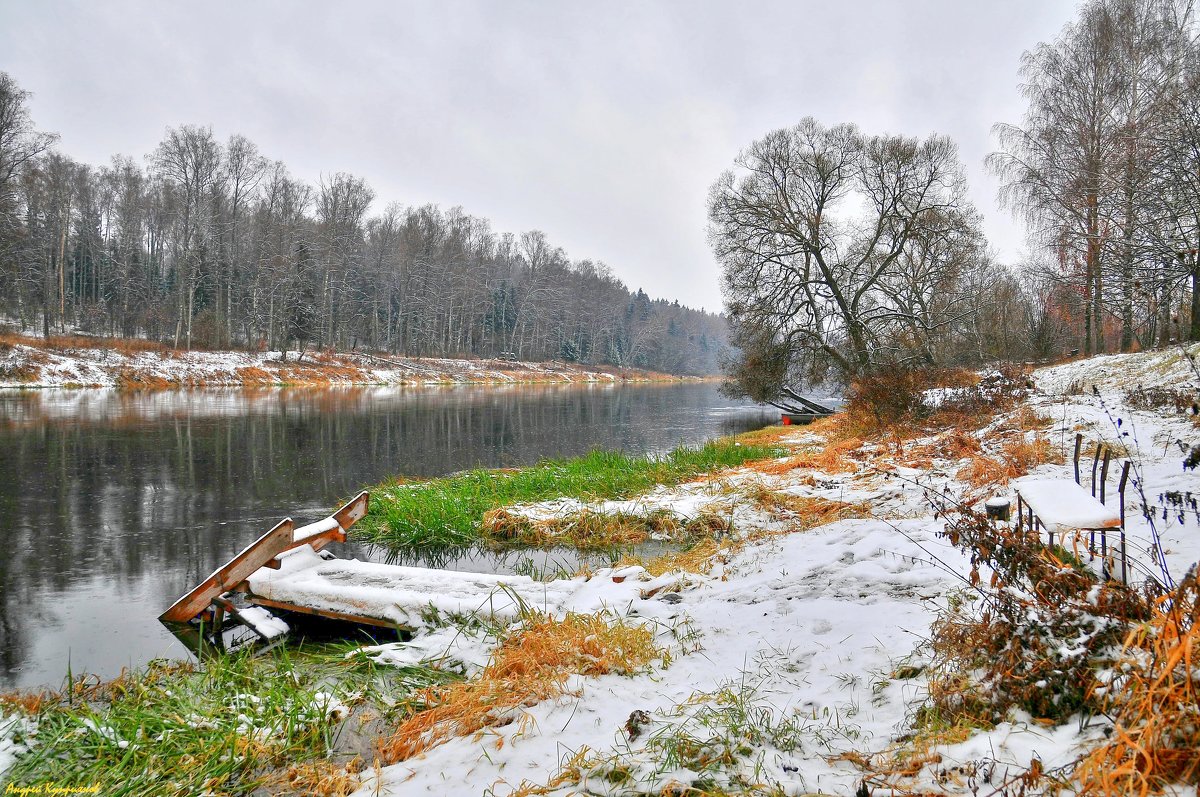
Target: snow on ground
31	366
12	727
1166	368
802	637
464	650
817	621
415	597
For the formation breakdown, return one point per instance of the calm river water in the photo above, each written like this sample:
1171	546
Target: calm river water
113	504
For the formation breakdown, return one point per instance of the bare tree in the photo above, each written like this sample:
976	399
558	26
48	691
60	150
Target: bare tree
816	229
20	144
190	157
1053	165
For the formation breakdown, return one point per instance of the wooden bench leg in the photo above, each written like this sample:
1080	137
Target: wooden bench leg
1104	571
1124	571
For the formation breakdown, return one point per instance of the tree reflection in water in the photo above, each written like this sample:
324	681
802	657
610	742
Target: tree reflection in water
113	504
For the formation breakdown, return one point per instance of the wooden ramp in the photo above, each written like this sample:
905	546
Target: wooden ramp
285	569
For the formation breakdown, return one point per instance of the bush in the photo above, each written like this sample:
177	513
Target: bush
895	396
1039	636
890	396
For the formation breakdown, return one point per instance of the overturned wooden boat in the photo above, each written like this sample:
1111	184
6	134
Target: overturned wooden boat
287	570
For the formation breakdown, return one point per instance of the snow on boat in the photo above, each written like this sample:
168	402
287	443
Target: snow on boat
287	569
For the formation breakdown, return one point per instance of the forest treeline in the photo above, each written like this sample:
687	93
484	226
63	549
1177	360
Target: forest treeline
208	243
844	253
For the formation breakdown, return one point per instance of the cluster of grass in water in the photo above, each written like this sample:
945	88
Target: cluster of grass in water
230	726
446	513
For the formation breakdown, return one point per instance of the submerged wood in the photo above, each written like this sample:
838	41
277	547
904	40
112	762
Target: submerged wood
283	570
799	408
264	552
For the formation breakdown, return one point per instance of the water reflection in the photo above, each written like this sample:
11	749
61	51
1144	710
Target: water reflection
112	504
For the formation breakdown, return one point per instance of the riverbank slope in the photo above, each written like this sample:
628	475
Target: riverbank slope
27	362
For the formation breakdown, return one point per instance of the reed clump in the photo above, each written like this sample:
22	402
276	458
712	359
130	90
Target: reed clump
1016	457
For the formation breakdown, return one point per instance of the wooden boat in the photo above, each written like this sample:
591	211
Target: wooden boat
288	571
798	409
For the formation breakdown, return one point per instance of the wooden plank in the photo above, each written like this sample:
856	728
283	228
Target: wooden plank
319	541
326	613
353	511
256	555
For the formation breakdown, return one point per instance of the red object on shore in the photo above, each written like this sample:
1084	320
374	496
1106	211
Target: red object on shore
786	420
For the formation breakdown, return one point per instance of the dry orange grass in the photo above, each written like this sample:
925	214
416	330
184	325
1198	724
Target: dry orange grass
320	778
251	375
531	666
134	379
1156	731
67	342
20	372
699	558
1017	457
310	373
833	457
807	511
983	471
1025	455
953	445
768	435
28	702
1028	419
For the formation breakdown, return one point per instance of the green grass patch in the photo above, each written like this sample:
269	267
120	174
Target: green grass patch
226	727
439	514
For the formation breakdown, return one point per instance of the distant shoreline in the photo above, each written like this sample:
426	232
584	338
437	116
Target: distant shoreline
132	364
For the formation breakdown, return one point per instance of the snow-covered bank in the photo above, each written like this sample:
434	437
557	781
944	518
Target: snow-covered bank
31	366
804	652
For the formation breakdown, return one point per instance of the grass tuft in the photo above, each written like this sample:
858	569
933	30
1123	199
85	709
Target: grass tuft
230	727
449	512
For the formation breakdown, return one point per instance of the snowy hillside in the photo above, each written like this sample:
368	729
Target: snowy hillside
24	365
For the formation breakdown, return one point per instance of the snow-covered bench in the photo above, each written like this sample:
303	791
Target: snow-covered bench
1062	507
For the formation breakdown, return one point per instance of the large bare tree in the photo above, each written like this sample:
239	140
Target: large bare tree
839	250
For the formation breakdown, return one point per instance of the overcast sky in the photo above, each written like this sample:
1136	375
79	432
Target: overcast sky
601	123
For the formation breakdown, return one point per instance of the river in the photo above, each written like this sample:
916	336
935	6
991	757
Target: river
112	504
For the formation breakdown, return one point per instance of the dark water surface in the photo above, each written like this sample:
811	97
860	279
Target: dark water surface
113	504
